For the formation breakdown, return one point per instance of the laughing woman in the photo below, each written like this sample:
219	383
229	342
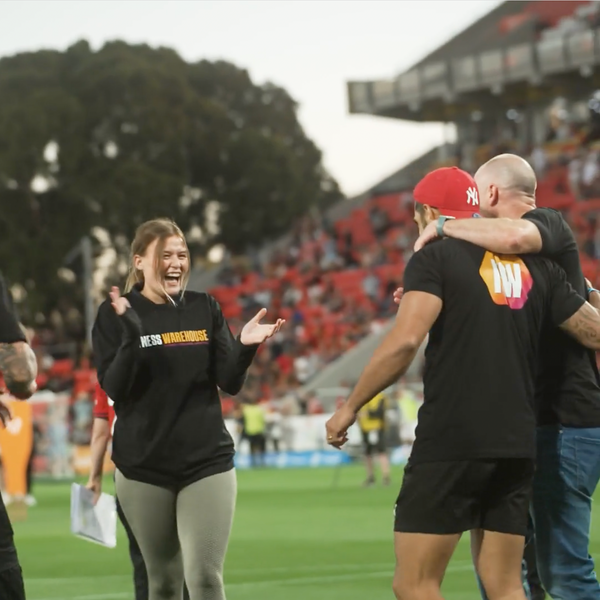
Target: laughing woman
161	354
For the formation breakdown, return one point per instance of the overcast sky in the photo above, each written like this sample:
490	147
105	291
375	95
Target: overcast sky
309	47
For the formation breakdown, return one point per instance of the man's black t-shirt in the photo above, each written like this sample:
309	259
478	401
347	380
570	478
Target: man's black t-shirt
480	362
568	385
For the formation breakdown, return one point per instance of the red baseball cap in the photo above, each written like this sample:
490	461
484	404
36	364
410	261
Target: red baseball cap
451	190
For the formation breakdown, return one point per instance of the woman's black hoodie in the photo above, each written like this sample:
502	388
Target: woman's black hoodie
161	365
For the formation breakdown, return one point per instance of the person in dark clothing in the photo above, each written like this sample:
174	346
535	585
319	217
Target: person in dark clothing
472	464
162	353
19	370
255	426
104	417
568	385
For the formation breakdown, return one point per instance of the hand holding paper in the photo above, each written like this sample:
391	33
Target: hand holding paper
95	522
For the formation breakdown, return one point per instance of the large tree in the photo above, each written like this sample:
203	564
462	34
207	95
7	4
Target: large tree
111	138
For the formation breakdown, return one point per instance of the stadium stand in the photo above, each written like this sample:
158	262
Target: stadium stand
334	275
520	79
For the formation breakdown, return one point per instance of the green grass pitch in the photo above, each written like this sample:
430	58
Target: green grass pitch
295	536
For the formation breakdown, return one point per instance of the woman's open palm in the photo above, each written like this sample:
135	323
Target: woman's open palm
119	303
255	332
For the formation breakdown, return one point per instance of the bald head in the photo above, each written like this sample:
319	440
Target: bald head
506	185
508	172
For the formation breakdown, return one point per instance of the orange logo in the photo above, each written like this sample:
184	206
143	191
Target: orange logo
507	278
175	338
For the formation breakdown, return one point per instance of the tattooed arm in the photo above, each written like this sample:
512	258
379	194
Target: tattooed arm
19	368
17	360
584	326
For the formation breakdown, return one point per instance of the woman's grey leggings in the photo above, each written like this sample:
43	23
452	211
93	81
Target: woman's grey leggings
181	533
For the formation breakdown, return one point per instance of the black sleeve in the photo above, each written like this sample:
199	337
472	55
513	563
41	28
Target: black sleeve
10	331
564	301
555	233
231	358
116	350
423	273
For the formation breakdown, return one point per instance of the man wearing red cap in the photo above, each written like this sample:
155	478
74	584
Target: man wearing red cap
472	462
447	193
568	385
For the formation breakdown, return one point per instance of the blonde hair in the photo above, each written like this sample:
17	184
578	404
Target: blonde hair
145	234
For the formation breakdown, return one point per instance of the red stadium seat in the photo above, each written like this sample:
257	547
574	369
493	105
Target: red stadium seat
62	369
232	311
390	272
224	294
586	206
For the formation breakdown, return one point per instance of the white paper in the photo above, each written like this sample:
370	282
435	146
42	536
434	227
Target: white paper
95	523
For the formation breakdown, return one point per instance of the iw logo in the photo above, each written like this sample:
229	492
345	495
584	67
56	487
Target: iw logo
507	278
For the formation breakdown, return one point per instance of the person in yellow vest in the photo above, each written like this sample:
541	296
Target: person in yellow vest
371	420
408	406
18	366
255	425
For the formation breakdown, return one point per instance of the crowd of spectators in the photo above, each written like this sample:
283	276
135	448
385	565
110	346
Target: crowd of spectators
332	290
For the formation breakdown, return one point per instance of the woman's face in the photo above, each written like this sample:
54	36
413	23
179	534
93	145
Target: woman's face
173	264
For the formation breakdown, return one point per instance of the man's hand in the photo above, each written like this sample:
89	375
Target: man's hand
593	298
337	427
24	392
429	234
94	484
398	295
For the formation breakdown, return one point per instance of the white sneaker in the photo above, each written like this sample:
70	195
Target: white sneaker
30	500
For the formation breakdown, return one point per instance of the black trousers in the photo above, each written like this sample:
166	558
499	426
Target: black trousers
140	575
11	576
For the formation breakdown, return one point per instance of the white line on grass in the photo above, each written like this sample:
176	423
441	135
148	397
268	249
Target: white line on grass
334	578
234	572
275	582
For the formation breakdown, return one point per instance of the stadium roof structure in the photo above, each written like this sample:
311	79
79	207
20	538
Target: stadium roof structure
512	54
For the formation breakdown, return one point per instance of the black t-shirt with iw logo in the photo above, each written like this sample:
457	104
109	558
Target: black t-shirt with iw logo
481	358
161	364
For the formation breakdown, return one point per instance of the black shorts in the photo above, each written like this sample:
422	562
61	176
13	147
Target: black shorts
458	496
376	445
258	442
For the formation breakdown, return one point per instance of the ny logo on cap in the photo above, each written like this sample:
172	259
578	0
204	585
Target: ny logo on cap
472	197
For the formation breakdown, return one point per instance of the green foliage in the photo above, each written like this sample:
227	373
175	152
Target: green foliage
135	126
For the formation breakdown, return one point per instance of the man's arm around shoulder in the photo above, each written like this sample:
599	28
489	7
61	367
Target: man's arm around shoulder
501	236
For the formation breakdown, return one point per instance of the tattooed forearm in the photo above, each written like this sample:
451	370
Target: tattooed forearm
19	368
584	326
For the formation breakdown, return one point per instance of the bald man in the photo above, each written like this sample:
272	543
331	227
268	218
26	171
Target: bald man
568	387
